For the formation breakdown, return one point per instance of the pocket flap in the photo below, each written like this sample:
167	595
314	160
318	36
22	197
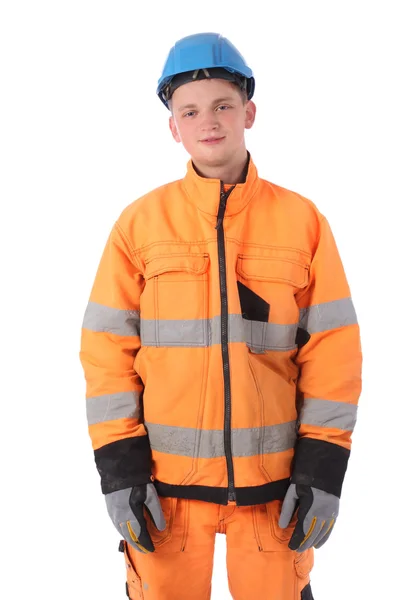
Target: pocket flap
133	580
188	263
304	562
280	270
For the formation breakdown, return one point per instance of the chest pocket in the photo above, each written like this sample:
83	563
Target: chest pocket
267	286
174	303
273	270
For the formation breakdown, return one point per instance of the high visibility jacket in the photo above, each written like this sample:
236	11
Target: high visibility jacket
220	342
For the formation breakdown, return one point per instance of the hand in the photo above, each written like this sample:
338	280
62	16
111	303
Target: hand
316	517
126	509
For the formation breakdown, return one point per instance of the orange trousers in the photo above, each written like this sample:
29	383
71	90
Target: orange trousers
260	566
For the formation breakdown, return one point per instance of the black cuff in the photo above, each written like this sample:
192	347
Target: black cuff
124	463
320	464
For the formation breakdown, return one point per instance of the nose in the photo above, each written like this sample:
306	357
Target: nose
209	122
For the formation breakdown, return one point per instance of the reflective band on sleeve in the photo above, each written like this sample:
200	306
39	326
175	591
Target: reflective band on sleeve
101	318
328	413
327	316
123	405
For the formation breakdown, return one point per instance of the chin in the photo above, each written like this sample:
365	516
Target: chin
212	159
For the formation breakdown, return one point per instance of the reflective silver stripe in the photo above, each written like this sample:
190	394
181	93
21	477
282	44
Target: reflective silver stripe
102	318
259	336
327	316
209	443
124	405
191	333
328	413
264	440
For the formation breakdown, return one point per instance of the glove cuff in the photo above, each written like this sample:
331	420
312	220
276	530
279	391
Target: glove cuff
320	464
124	463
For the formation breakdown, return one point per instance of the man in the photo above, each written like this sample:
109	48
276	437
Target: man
222	356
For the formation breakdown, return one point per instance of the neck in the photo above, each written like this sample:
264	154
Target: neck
229	173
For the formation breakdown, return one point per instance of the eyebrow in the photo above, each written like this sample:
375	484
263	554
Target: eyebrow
217	101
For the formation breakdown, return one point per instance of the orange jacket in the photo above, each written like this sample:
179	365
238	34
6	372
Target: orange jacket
220	339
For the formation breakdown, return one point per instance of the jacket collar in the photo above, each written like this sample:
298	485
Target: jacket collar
205	192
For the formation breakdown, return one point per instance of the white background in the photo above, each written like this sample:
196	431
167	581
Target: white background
82	135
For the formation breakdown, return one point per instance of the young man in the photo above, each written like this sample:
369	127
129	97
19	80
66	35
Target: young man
222	356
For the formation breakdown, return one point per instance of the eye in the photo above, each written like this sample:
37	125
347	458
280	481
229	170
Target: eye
191	112
223	106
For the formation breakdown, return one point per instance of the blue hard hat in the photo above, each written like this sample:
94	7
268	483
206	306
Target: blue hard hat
204	55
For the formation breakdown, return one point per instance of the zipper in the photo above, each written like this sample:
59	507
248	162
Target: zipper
224	342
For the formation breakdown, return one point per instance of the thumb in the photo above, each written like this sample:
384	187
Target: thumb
153	506
288	506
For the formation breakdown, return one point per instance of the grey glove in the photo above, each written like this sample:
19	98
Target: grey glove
316	517
126	509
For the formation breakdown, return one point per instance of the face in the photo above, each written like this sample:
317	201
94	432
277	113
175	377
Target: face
207	110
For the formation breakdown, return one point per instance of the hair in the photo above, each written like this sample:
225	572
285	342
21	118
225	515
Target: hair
242	93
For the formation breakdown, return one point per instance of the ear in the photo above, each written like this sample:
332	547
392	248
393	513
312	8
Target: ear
174	130
250	114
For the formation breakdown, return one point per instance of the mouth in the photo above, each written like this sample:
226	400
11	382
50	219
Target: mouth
212	140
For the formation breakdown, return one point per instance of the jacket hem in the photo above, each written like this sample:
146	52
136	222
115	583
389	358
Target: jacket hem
245	496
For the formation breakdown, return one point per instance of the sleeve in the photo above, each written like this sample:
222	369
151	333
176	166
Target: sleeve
110	340
330	362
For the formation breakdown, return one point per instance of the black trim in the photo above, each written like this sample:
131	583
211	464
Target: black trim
320	464
245	496
302	337
306	593
276	490
254	308
124	463
121	546
127	589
